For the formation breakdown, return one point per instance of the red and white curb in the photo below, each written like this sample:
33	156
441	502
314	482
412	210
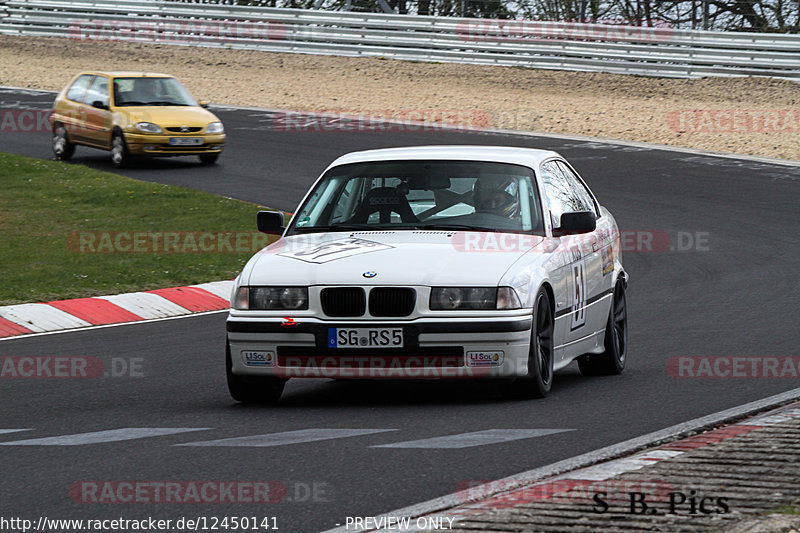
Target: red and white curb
23	319
566	477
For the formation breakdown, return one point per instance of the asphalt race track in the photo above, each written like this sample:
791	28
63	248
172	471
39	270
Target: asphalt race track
720	280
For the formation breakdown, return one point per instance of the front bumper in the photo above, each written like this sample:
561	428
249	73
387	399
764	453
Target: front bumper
159	145
433	349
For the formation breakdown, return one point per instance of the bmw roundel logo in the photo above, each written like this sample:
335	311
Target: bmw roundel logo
370	274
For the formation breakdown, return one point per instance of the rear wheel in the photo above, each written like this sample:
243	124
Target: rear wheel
209	159
119	150
538	382
252	389
62	148
612	360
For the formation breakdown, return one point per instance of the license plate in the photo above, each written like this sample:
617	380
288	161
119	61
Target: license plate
185	141
365	337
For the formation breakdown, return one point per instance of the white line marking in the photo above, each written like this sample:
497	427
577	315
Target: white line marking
96	437
3	431
476	438
603	454
288	437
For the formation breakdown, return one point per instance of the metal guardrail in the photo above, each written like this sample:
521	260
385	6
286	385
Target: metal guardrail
553	45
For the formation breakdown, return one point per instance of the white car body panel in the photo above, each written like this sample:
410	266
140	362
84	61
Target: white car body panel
580	271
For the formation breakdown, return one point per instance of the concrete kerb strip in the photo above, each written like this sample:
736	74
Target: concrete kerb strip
475	495
25	320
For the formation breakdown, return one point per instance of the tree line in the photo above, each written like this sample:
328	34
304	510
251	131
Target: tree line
775	16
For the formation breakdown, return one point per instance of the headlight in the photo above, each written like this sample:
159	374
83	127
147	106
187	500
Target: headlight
288	298
148	127
473	298
463	298
507	298
215	127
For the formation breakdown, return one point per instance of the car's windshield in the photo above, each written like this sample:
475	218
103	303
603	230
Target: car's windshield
457	195
151	91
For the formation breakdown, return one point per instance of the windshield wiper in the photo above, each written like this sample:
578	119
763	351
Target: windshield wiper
343	227
461	227
130	103
165	103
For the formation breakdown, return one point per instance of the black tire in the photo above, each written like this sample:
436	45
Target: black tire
252	389
539	381
62	148
120	156
612	361
208	159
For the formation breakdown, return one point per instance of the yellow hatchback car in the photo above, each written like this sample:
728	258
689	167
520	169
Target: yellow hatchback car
133	113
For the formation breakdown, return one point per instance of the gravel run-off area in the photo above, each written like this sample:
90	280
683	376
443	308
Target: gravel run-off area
755	116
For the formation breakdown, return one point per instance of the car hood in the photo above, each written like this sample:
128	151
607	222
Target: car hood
169	115
431	258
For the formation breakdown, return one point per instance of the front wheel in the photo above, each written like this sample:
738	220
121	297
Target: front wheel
119	150
612	360
539	381
252	389
62	148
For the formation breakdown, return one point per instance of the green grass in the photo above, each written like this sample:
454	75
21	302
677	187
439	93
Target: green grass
51	213
786	509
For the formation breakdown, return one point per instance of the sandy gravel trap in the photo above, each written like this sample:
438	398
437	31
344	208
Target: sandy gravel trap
756	116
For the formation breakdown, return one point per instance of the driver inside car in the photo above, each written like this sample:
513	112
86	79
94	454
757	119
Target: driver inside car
496	196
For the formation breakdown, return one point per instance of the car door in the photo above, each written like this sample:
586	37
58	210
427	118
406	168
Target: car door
73	113
97	113
579	263
596	283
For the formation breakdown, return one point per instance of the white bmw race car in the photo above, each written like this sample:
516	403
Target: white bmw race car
433	262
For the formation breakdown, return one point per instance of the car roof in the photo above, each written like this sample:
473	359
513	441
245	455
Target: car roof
530	157
127	74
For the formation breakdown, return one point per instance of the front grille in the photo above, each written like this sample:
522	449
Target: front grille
181	129
343	301
392	301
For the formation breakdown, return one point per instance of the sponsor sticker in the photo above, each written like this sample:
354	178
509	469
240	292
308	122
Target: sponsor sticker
488	358
253	358
608	260
333	250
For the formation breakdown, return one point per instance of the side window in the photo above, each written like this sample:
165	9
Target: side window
579	187
562	194
98	91
78	89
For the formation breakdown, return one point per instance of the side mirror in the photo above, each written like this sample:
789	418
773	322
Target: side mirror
203	104
270	222
98	104
577	222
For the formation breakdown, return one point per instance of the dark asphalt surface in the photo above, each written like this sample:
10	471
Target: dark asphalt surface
736	294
